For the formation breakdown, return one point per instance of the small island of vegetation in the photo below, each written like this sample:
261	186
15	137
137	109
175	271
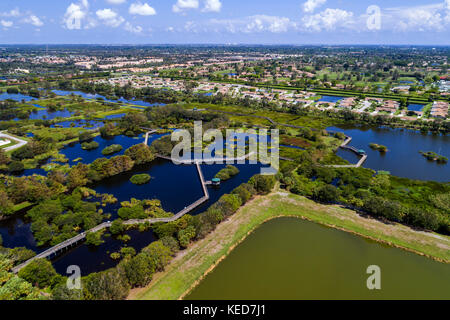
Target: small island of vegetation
378	147
140	179
227	172
89	145
433	156
112	149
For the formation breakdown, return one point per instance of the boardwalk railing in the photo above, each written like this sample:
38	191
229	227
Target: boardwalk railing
62	246
210	160
82	236
345	145
148	134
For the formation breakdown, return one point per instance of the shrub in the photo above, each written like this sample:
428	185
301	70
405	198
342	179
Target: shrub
39	272
263	184
186	235
90	145
117	227
95	238
227	173
4	159
245	192
326	194
134	212
140	179
111	284
139	270
140	154
112	149
171	243
16	166
30	150
228	204
85	136
159	254
20	254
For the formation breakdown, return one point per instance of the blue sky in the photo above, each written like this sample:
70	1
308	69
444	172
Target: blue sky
225	21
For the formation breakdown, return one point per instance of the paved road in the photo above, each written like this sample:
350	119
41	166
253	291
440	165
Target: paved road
20	142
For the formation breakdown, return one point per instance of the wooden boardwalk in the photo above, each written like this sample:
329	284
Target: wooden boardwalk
345	145
206	161
148	134
63	246
70	243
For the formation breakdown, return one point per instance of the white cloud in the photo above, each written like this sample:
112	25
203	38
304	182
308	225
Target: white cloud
182	5
75	14
213	6
116	1
33	20
110	18
434	17
6	24
252	24
133	29
311	5
328	20
142	9
13	13
273	24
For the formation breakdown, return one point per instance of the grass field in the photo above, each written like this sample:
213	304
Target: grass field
190	265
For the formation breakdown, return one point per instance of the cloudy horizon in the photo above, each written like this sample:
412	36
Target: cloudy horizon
295	22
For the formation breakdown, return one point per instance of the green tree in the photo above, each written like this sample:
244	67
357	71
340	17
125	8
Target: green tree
263	183
95	238
159	254
326	194
111	284
39	272
185	236
140	154
139	270
117	227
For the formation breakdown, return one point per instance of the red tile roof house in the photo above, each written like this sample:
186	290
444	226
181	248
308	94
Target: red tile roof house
439	109
371	99
389	106
324	104
347	103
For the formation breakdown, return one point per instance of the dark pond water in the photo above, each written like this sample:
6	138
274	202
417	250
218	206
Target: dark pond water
74	151
115	116
30	172
95	259
44	114
303	260
16	232
403	158
177	186
99	96
88	124
332	99
15	96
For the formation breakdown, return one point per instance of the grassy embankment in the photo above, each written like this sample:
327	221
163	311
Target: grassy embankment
191	265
